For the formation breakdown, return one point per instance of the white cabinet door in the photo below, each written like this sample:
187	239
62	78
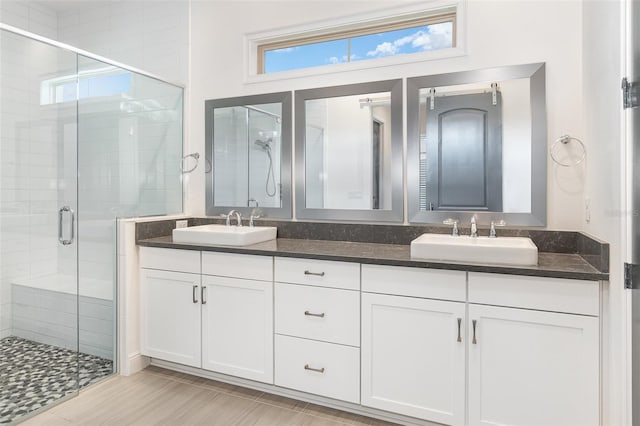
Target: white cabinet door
413	357
170	316
532	368
237	327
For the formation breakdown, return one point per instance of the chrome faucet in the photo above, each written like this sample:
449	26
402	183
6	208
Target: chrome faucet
238	217
492	231
454	230
474	228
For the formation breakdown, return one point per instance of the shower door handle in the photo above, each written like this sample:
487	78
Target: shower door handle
61	213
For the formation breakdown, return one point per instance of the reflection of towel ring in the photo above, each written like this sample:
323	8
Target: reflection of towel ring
195	156
565	139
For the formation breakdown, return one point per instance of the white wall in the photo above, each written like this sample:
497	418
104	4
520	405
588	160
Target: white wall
520	32
149	35
602	108
30	16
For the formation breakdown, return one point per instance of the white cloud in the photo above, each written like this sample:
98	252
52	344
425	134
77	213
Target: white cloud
285	50
438	36
384	49
343	58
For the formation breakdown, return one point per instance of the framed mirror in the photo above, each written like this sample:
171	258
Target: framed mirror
477	146
349	152
248	145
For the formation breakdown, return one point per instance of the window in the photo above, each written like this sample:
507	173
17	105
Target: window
415	35
107	81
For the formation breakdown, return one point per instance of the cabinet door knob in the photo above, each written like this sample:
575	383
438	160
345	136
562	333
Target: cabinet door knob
317	274
203	289
311	314
317	370
474	341
195	294
459	325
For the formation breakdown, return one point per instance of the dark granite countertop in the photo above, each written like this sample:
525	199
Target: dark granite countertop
556	265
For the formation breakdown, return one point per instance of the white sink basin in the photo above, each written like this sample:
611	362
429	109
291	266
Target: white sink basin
516	251
224	235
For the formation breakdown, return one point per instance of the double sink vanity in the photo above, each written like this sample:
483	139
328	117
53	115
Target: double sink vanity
345	316
402	320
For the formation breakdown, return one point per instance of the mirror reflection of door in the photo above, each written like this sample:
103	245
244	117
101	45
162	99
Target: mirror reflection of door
376	146
462	165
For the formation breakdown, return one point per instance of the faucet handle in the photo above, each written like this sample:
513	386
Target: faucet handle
253	216
474	228
492	231
454	222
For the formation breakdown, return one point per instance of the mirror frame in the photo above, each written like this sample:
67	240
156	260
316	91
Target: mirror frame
285	98
536	75
396	213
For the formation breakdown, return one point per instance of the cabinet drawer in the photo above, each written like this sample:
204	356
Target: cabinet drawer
170	259
320	368
546	294
414	282
327	314
318	272
234	265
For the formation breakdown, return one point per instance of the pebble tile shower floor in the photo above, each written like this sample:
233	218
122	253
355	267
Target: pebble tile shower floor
33	375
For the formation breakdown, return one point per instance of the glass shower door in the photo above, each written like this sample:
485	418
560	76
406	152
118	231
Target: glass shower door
38	249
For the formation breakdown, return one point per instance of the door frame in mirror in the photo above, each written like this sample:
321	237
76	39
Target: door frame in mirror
284	98
536	75
396	213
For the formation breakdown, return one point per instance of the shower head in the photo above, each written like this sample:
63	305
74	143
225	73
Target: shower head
264	144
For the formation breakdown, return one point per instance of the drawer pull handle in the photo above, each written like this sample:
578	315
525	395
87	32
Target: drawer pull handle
474	341
203	289
311	314
317	274
459	325
195	294
317	370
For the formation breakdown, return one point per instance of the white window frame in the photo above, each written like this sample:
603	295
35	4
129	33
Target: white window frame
380	17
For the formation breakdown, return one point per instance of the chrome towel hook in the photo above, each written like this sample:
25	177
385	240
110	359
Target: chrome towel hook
563	141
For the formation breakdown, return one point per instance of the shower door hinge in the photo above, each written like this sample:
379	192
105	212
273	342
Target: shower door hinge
631	276
630	94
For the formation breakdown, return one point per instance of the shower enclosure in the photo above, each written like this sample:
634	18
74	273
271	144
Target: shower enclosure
82	142
247	153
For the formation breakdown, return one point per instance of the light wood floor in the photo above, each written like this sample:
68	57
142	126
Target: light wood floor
157	396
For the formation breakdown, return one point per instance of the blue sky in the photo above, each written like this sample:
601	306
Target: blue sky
391	43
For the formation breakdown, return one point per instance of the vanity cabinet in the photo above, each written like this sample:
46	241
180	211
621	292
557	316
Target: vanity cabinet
530	367
413	347
533	366
170	305
451	347
170	316
237	316
317	325
220	320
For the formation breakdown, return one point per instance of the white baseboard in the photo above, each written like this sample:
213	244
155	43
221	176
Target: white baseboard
289	393
135	362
